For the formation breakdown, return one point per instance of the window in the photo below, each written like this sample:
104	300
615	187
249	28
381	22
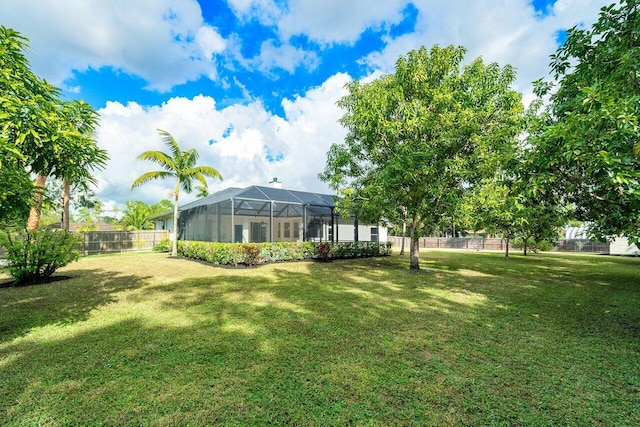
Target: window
287	230
296	230
279	230
374	234
258	232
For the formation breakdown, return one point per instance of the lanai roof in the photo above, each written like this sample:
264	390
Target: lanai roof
263	194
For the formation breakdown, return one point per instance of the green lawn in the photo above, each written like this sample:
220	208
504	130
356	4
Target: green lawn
144	339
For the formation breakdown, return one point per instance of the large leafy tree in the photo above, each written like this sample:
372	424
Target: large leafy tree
179	165
418	138
590	150
81	154
39	133
27	117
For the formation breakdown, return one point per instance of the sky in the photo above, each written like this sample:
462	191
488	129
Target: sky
253	84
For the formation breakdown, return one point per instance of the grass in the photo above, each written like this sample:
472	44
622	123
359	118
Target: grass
143	339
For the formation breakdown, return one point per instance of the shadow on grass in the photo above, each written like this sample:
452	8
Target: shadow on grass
342	343
60	301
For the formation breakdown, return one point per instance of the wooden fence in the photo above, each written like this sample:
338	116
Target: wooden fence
103	242
478	243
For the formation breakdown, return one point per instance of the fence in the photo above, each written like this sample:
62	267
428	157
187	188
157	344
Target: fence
102	242
478	243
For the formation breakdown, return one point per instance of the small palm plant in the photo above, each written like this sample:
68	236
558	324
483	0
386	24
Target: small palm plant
179	165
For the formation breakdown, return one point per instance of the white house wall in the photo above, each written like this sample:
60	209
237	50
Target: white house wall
281	232
622	246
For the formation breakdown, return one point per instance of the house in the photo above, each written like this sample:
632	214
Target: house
267	214
623	246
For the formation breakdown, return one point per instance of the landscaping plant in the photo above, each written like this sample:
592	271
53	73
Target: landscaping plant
34	255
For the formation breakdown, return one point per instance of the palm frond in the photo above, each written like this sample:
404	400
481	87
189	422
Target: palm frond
206	171
170	142
160	158
150	176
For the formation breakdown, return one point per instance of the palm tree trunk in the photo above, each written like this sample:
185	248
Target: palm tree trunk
174	248
36	207
65	205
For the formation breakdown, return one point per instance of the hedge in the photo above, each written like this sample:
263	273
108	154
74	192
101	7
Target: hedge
259	253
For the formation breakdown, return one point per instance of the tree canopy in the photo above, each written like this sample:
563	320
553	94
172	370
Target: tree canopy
39	134
589	151
416	139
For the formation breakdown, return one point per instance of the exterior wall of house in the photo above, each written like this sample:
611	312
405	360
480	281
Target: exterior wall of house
622	246
252	229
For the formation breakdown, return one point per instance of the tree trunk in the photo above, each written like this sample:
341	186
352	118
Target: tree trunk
404	234
506	249
415	253
174	248
66	196
526	242
36	206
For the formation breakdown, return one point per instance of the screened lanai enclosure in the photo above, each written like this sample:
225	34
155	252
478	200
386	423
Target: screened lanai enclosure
266	214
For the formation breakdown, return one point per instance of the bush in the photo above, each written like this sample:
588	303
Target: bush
36	255
532	245
324	250
163	246
254	253
251	253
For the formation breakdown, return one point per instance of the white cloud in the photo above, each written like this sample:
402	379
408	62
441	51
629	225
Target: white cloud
338	21
507	32
165	42
285	57
264	11
302	137
210	41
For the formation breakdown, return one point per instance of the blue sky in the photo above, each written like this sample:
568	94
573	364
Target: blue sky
253	84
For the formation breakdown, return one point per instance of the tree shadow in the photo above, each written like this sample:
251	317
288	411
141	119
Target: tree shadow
347	342
66	299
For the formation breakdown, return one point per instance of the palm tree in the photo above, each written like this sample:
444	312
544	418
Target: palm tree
84	154
179	165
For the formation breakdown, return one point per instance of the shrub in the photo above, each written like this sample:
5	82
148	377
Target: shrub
163	246
253	253
324	250
36	255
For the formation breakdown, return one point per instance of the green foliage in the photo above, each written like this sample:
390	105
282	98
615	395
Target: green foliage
163	246
286	251
357	249
589	150
417	138
39	132
36	255
137	214
255	253
179	165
